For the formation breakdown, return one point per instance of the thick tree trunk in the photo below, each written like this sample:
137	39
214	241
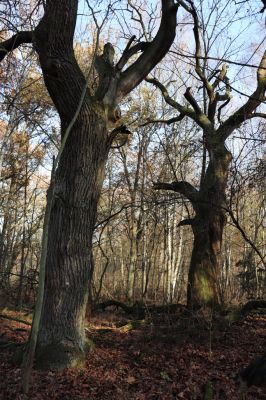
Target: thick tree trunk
78	182
208	226
80	173
204	265
79	178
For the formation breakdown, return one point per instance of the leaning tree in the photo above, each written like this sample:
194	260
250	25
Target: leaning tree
80	173
209	198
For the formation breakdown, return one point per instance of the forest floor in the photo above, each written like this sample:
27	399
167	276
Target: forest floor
169	357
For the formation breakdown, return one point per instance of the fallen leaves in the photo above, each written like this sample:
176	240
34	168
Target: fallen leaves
142	365
130	380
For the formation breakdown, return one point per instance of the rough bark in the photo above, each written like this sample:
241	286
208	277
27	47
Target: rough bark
78	182
204	265
80	173
73	215
209	204
208	226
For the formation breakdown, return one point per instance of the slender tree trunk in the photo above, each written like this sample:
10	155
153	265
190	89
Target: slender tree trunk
132	263
8	228
23	242
178	264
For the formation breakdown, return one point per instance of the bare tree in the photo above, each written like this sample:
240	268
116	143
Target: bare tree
80	173
209	200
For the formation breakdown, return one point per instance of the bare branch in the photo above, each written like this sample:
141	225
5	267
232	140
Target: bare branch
164	121
258	115
227	95
14	42
198	56
185	222
247	110
196	114
130	51
120	130
182	187
213	97
244	235
220	109
156	50
192	101
139	19
205	57
186	111
162	186
220	97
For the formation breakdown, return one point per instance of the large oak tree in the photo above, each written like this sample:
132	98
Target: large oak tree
80	173
209	198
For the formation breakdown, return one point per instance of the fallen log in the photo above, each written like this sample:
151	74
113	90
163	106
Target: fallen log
140	310
252	305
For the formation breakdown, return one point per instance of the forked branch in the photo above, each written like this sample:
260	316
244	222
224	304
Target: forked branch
199	70
184	111
130	51
194	113
247	110
152	54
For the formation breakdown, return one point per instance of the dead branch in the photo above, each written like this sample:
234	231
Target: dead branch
154	52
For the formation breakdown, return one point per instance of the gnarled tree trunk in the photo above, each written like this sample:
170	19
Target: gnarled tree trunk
204	265
208	226
209	204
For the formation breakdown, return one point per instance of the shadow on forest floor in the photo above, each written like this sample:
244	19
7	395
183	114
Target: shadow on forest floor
164	358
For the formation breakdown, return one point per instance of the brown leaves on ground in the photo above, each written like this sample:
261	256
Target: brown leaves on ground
158	361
